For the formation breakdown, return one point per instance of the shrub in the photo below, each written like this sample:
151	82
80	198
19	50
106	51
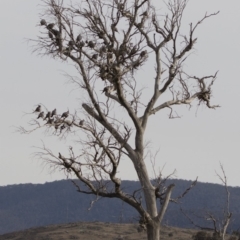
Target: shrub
201	235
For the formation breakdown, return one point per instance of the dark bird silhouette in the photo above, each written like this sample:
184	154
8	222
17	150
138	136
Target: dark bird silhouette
50	26
81	122
145	14
82	44
95	56
50	35
54	112
103	49
140	25
105	90
109	89
143	53
123	49
59	155
91	44
134	50
103	76
40	115
114	28
50	121
120	6
106	42
79	38
157	192
43	22
65	114
48	115
38	109
101	34
55	32
127	14
71	43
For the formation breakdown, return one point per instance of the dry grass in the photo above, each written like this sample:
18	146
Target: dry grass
95	231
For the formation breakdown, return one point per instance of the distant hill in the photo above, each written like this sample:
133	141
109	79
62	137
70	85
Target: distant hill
30	205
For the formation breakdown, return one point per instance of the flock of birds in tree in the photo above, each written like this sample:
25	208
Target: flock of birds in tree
52	118
105	54
113	62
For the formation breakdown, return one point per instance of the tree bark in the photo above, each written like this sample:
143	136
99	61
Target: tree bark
153	231
153	227
148	189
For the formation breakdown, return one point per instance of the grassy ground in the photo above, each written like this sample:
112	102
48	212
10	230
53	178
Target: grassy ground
95	231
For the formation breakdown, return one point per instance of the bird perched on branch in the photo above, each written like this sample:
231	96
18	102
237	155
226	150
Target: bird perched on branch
54	112
134	50
103	49
123	50
81	122
79	38
48	115
109	89
120	6
101	34
157	192
40	115
50	26
70	46
136	64
82	44
95	56
104	72
103	75
43	22
55	32
143	53
50	35
140	25
71	43
127	14
65	114
38	109
145	14
50	121
114	28
91	44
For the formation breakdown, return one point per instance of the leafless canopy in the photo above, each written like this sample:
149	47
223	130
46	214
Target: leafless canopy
109	42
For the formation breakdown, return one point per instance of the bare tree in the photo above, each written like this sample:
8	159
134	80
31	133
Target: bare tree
219	224
109	41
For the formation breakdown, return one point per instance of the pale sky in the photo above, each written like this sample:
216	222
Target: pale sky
193	145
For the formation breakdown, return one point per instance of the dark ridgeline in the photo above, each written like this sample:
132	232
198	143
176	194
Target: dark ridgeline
29	205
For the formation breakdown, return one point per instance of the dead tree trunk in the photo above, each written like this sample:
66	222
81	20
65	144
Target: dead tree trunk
153	231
